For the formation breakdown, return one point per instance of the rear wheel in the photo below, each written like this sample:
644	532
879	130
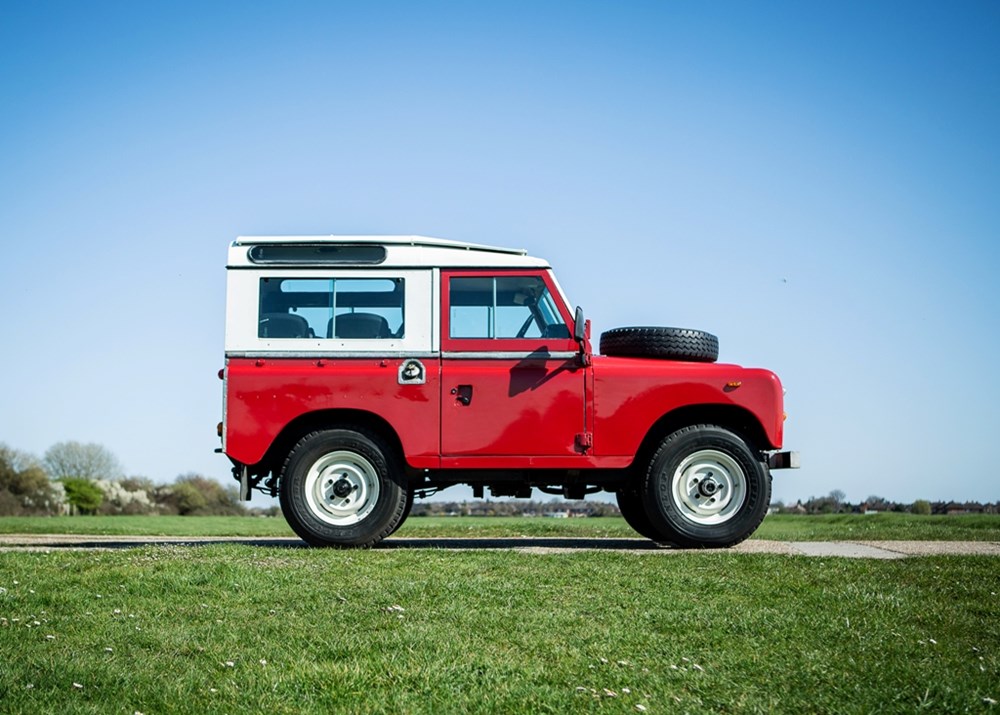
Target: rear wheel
406	511
706	487
342	487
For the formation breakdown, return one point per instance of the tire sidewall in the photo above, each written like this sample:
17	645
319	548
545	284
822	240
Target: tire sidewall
667	517
632	508
407	507
377	524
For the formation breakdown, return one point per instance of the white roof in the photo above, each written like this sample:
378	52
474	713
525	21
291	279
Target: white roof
408	251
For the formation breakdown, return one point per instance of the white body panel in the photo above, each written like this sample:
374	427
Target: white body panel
416	259
401	251
243	296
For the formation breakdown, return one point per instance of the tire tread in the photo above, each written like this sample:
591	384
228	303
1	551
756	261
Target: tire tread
664	343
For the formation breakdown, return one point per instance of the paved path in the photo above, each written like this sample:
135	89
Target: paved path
539	545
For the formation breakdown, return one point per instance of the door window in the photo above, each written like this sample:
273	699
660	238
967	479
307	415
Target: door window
503	307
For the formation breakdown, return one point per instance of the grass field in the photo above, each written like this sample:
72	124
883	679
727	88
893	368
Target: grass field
238	628
779	527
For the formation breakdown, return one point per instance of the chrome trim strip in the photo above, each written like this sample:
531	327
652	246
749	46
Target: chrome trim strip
335	355
387	266
329	354
520	355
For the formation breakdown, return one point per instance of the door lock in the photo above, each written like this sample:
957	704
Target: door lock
463	394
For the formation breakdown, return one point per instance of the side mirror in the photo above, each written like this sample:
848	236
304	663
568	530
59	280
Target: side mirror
579	326
581	334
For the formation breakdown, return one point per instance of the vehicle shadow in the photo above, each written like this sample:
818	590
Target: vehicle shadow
547	544
532	542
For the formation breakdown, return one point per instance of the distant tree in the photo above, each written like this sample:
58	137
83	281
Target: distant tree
72	460
820	505
193	494
10	505
83	494
837	497
921	506
135	484
518	507
31	482
877	503
265	512
133	495
24	486
189	498
17	460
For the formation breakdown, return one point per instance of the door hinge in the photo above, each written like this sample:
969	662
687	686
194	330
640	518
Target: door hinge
584	441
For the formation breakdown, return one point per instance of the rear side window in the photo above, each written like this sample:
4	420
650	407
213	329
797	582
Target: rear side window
503	307
341	308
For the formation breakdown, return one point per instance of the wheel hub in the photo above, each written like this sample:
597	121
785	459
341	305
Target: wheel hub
709	487
342	488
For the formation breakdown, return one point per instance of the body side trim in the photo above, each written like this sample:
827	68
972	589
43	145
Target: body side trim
512	355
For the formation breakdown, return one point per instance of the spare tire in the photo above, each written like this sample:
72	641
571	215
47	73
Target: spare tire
664	343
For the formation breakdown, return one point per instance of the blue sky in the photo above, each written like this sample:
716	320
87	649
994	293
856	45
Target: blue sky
817	184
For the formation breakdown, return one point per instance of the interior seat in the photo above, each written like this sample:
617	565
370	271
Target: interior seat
283	325
358	326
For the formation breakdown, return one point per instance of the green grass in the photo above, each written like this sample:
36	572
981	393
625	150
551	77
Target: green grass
881	527
780	527
238	628
146	525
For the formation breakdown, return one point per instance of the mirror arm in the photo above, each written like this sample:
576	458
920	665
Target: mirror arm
581	333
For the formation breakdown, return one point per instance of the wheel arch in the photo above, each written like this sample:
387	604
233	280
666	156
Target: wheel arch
732	417
309	422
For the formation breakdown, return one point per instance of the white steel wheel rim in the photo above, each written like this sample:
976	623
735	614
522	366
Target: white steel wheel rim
342	488
709	487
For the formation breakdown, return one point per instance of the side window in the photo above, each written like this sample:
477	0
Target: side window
503	307
343	308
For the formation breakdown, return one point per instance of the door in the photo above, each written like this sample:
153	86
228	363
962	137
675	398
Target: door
511	380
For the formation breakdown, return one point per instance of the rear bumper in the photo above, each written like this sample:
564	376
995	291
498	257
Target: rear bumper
783	460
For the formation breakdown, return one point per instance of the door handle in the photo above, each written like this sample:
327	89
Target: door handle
463	394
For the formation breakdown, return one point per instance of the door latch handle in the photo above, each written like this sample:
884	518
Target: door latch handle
463	394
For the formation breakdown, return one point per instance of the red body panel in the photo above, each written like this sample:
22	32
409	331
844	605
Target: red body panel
264	395
523	414
630	394
529	407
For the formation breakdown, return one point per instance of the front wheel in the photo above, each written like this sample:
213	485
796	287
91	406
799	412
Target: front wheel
631	506
706	488
342	487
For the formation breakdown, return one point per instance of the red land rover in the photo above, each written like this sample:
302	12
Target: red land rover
362	371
